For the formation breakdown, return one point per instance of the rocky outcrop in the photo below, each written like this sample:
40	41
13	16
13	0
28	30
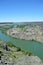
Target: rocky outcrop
25	60
27	33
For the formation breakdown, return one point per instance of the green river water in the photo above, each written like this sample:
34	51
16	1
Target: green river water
32	46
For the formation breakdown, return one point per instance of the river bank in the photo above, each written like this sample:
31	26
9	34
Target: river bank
15	56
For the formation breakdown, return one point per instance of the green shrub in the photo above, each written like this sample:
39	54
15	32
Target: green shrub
30	53
18	49
26	52
0	56
10	44
14	56
32	39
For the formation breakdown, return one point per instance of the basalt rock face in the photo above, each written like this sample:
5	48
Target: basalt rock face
27	33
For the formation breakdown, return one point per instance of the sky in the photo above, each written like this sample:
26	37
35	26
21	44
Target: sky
21	10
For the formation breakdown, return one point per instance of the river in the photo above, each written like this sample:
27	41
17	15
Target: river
32	46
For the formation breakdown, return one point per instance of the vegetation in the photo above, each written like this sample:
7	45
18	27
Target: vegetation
5	27
10	44
30	53
18	49
20	26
